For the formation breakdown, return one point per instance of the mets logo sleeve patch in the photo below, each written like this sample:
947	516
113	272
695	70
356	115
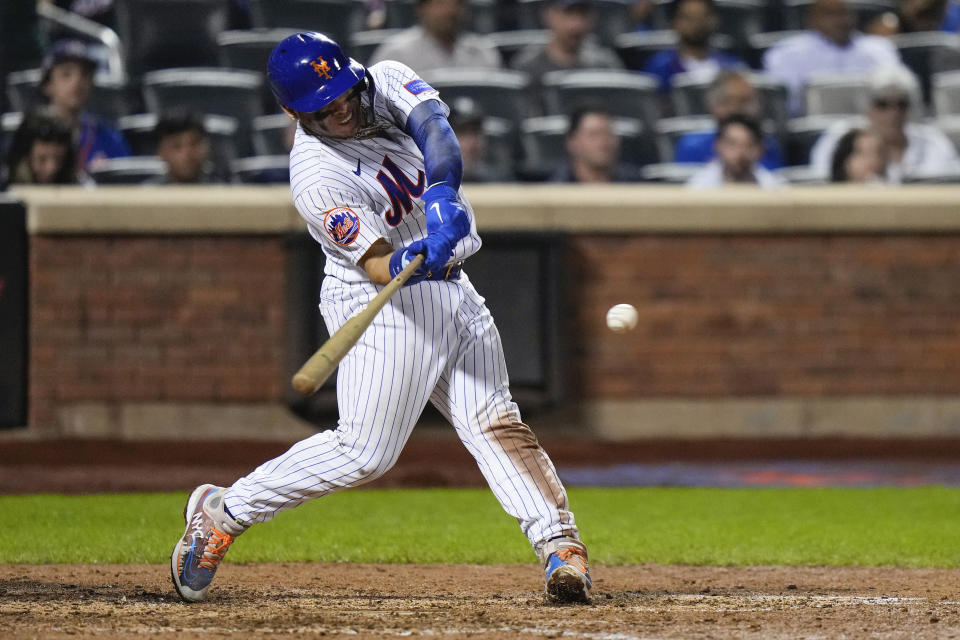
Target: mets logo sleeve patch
342	225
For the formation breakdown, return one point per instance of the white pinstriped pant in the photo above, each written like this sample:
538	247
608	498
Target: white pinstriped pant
433	341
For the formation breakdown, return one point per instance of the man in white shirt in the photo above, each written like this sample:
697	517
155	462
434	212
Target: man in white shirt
738	148
911	149
830	46
438	41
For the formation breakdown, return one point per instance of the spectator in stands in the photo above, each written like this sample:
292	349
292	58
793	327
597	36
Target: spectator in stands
593	150
438	41
738	149
184	145
830	46
466	119
41	152
730	93
641	14
912	149
66	83
694	22
859	157
570	23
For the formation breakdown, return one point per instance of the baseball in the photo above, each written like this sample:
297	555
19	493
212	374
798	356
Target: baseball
621	317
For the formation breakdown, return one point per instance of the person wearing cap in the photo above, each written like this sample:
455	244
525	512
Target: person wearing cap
912	149
67	81
438	41
830	45
570	23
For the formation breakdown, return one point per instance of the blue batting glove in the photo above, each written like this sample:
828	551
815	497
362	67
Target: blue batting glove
436	249
400	259
445	214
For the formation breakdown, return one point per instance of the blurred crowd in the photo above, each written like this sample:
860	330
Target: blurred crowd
701	92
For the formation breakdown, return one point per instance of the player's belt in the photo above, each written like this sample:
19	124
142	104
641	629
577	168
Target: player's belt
449	272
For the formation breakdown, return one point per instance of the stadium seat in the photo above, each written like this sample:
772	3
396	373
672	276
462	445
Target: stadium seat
802	175
948	175
501	145
158	34
740	19
543	150
946	93
9	122
950	125
249	48
363	43
759	43
508	43
637	47
803	133
335	18
795	11
669	172
228	92
129	170
629	94
927	53
829	93
502	94
262	169
669	130
270	134
23	89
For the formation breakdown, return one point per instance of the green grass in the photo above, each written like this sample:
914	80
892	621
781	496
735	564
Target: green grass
896	527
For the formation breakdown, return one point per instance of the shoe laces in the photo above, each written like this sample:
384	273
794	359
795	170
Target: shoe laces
573	556
216	548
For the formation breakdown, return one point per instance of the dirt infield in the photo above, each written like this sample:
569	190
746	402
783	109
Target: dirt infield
489	602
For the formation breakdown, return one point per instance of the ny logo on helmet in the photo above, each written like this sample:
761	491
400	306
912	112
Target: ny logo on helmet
322	68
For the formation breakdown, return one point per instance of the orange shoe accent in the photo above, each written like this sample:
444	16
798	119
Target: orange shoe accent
216	548
573	556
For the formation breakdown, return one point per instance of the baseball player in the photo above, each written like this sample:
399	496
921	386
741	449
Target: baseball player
375	171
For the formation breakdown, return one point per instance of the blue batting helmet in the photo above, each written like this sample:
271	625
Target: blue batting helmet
308	71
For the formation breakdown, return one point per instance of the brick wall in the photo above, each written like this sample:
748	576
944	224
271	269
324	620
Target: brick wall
202	319
138	318
801	315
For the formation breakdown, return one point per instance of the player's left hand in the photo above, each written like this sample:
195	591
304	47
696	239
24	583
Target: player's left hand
445	214
436	249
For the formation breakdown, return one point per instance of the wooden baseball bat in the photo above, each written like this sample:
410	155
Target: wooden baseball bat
321	364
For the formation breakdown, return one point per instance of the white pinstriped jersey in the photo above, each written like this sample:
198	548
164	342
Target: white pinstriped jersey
354	192
434	341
